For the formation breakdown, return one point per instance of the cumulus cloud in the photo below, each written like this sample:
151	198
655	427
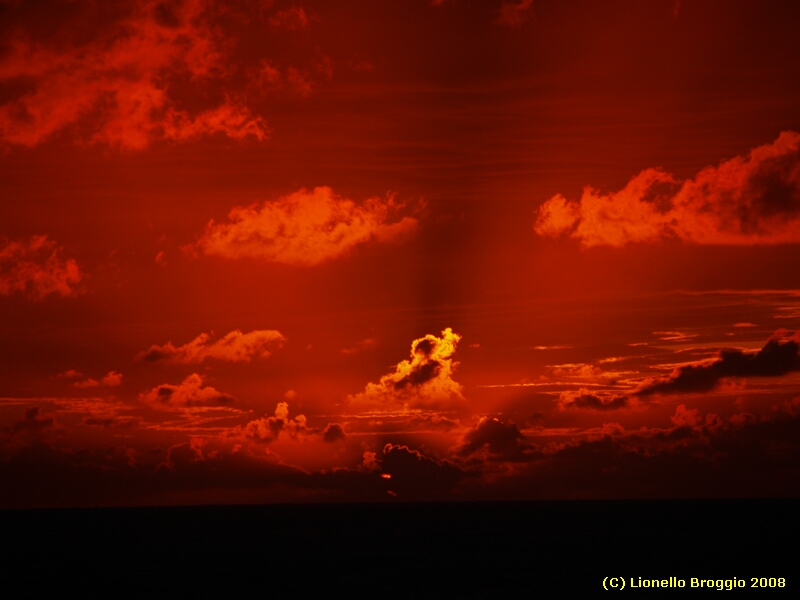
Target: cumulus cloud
779	356
752	199
305	228
423	382
34	267
269	428
115	82
190	393
333	432
233	347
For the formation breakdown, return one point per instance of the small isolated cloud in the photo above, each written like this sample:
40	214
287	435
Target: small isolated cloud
779	356
514	14
423	382
305	228
34	427
269	428
34	267
190	393
111	379
752	199
233	347
360	347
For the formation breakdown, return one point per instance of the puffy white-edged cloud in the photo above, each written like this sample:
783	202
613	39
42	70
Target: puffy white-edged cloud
423	382
268	429
233	347
752	199
305	228
35	268
188	394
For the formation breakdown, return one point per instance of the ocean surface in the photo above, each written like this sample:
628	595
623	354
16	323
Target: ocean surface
437	550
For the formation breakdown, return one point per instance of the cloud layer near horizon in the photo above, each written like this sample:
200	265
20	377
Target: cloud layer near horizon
305	228
752	199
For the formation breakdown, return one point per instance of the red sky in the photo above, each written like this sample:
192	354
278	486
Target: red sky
270	251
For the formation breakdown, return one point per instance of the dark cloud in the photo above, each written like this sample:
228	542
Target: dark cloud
779	356
333	432
188	394
493	439
583	398
35	268
411	475
33	422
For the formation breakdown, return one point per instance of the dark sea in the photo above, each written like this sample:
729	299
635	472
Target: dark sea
414	550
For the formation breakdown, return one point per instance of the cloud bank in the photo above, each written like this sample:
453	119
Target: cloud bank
752	199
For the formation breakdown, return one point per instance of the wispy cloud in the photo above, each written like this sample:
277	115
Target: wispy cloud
188	394
117	85
34	267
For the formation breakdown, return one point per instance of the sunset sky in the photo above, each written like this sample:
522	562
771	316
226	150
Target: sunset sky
277	251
